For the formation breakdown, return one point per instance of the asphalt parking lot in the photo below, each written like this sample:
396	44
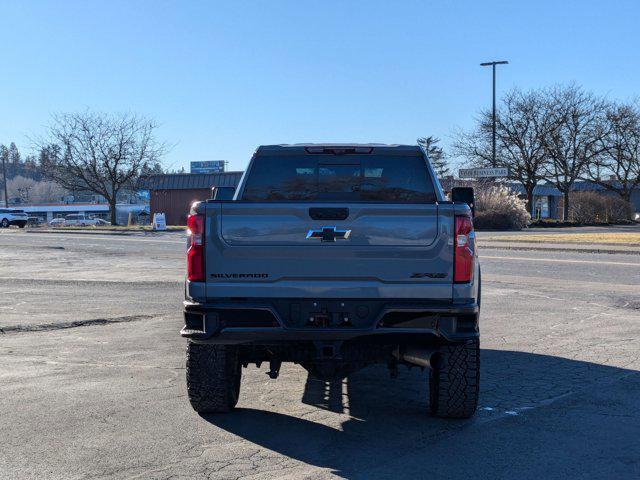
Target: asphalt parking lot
92	377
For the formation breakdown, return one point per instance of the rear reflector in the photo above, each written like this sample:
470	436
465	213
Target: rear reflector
463	250
195	250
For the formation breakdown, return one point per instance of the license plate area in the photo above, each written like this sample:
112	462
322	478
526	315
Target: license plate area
305	313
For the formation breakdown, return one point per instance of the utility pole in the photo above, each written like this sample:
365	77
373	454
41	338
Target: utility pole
4	179
493	145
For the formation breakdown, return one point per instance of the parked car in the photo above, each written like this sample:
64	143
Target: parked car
10	217
334	257
101	223
57	222
81	220
34	221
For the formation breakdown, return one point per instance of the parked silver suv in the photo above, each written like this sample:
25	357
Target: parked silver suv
12	217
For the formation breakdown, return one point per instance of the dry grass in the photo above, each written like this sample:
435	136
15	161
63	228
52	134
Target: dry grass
626	238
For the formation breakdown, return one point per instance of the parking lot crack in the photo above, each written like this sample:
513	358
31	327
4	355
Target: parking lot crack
74	324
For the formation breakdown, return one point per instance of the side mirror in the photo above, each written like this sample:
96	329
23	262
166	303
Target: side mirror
222	193
464	195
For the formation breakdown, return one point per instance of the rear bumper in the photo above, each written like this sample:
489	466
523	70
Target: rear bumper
260	323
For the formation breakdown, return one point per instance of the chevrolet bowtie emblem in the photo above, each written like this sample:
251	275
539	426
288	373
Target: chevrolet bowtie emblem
329	234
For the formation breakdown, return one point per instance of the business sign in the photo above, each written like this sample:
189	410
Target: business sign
209	166
159	221
483	172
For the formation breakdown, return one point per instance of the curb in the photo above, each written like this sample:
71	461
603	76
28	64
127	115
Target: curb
559	249
111	232
82	232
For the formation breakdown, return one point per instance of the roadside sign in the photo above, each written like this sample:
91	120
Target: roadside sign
210	166
483	172
159	221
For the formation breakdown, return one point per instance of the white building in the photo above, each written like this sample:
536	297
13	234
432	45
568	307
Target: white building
49	211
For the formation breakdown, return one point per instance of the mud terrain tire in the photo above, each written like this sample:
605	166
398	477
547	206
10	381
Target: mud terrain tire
213	377
454	381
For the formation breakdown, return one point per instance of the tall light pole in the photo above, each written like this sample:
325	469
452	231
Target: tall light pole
4	180
493	144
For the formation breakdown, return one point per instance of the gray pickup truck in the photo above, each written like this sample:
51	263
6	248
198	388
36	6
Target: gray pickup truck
334	257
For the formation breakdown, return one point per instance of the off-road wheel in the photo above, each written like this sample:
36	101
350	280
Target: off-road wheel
454	380
213	377
4	223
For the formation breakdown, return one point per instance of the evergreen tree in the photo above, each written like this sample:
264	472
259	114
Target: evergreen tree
436	155
14	155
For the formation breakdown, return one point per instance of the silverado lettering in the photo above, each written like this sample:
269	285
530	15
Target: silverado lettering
239	275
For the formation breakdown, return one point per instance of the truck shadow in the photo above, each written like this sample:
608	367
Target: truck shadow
371	426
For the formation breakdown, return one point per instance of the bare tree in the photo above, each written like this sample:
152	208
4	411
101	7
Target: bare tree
521	124
47	191
98	152
475	145
21	188
617	167
575	138
436	155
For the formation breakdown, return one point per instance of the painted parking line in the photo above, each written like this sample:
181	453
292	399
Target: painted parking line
112	238
560	260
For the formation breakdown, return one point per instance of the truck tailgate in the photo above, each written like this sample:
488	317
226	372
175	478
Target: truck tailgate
356	250
288	225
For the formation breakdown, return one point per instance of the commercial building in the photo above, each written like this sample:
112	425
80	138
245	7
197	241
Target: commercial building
173	194
547	200
48	211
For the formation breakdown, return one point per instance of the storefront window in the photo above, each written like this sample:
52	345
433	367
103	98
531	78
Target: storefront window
541	207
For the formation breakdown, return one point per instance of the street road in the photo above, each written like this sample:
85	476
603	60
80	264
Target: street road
92	377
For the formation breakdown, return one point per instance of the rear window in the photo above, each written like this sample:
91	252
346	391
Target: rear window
340	178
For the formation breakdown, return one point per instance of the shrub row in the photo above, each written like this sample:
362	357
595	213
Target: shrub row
498	208
595	208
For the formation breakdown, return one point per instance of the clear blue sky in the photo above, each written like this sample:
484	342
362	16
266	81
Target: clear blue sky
224	77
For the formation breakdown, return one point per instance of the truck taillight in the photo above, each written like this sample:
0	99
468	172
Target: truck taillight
195	250
463	250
